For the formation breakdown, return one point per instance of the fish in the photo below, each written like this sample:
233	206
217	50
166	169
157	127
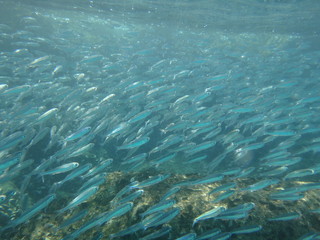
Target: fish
208	234
209	214
282	133
100	220
169	193
201	147
78	134
164	159
36	208
222	236
162	205
299	173
159	233
81	150
208	179
9	162
131	197
15	90
75	218
160	218
237	212
130	230
11	141
189	236
247	229
75	173
151	181
285	217
93	103
135	143
260	185
223	187
61	169
223	196
47	115
309	236
99	168
137	158
140	116
287	197
82	197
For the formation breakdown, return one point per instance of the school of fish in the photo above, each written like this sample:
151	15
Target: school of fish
81	97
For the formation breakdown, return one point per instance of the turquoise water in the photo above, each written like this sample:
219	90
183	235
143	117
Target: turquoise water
193	92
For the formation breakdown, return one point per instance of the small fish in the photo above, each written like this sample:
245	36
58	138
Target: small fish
282	162
75	173
61	169
164	159
36	208
242	207
197	159
222	236
261	184
170	192
287	197
130	230
135	144
12	140
159	207
209	234
310	236
247	229
97	236
81	150
282	133
157	234
106	99
101	167
76	217
242	110
96	180
209	179
2	198
82	197
100	220
16	90
131	197
189	236
317	210
78	134
209	214
285	217
47	115
232	216
3	87
299	173
137	158
201	147
140	116
7	163
223	196
245	172
151	181
253	146
39	60
224	187
57	70
275	172
116	212
160	218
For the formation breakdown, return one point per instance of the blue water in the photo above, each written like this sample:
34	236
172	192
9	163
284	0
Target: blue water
194	89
